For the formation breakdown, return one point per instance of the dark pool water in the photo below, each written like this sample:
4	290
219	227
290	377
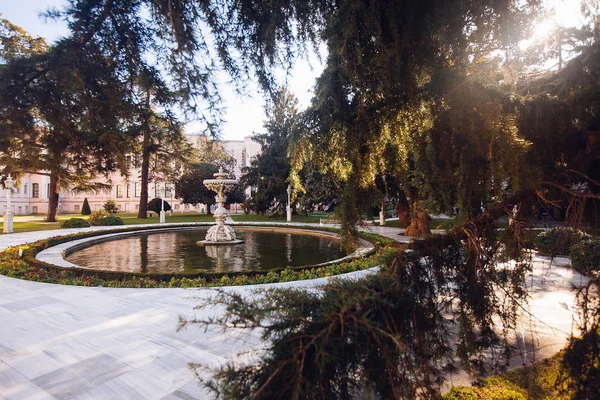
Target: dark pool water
177	251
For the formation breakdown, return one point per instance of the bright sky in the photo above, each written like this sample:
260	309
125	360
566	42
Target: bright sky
244	115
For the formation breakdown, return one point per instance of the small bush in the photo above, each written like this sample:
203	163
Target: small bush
75	223
96	217
110	206
585	256
85	209
154	205
111	220
493	388
557	241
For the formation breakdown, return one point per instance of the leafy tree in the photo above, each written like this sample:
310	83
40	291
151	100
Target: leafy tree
15	42
318	189
268	174
190	189
85	209
236	195
163	147
156	205
209	151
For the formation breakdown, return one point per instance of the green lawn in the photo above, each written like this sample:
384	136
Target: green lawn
435	223
29	223
311	218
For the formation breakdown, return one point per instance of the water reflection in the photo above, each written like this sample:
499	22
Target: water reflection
176	251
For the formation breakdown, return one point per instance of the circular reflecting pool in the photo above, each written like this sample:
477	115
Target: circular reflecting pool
177	251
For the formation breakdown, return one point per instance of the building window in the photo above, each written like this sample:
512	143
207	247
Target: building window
96	207
35	189
137	206
26	209
119	191
34	209
176	207
156	190
138	189
128	190
25	189
20	209
17	190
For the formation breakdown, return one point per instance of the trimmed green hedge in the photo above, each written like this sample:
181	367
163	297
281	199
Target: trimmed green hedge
111	220
30	268
75	223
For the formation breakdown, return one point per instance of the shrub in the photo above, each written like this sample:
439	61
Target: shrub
85	209
75	223
111	220
110	206
580	366
585	256
96	217
154	205
559	240
493	388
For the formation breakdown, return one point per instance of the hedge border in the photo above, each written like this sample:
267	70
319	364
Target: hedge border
29	268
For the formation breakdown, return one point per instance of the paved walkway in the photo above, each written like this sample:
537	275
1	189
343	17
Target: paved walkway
68	342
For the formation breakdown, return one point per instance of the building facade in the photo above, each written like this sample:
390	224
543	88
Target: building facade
31	194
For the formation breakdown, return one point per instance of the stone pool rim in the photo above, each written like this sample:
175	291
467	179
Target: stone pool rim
54	255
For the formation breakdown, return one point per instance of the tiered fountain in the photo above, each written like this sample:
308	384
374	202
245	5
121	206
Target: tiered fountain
220	233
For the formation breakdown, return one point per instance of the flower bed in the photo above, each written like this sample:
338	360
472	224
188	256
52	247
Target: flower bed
29	268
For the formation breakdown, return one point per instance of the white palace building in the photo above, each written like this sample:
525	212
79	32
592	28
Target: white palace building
30	195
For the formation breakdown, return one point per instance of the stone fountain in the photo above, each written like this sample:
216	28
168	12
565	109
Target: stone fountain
220	233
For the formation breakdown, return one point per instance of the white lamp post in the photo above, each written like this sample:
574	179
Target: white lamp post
162	205
289	205
9	184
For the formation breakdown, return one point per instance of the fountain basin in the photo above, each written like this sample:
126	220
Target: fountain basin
175	251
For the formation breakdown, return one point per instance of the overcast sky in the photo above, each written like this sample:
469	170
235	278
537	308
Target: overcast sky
244	115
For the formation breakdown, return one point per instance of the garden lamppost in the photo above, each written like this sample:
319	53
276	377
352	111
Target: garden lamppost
162	205
289	205
9	184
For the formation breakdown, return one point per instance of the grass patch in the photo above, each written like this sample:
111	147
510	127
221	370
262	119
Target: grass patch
29	268
305	219
36	223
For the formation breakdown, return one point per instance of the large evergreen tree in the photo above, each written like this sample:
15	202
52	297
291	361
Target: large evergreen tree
62	114
269	173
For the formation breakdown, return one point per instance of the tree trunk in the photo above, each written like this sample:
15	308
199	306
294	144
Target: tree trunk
143	208
419	222
52	198
402	209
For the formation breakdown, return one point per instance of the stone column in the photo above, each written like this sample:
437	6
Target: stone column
8	215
